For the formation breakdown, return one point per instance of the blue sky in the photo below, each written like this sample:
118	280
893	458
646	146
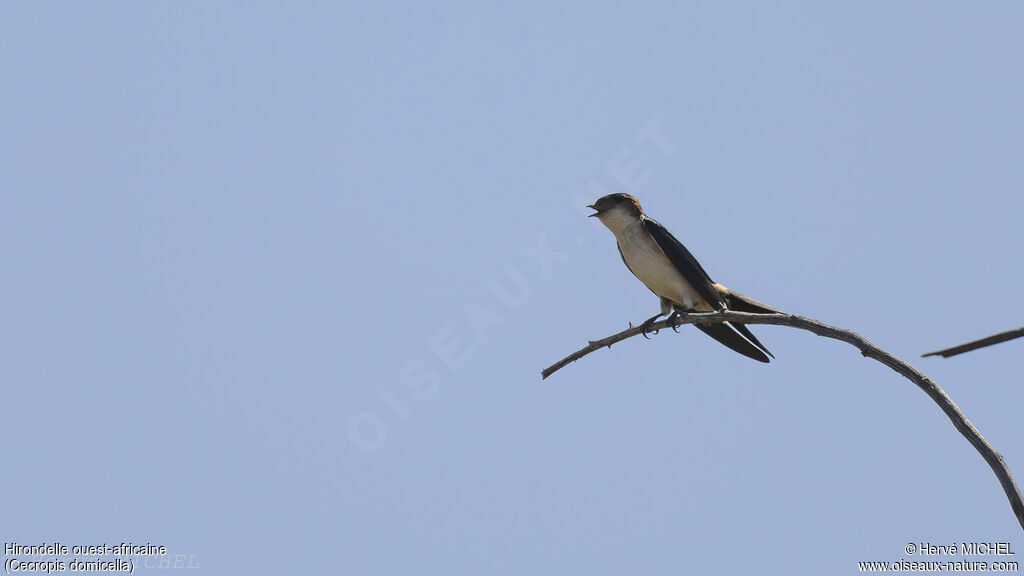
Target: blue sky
278	281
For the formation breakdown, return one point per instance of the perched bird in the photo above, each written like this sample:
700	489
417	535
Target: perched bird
665	266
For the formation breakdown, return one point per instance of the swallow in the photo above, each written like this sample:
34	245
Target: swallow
668	269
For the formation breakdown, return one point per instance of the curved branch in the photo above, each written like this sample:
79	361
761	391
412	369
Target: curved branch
868	349
980	343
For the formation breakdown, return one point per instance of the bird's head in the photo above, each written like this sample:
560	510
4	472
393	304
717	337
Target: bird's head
616	210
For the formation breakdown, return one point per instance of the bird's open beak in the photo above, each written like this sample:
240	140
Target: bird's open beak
591	206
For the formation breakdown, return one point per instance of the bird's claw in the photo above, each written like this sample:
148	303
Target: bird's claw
646	327
673	322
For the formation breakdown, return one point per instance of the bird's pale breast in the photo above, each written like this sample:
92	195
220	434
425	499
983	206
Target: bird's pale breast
655	270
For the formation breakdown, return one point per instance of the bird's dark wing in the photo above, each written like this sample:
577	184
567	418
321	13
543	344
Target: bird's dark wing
742	329
736	337
685	263
725	334
740	303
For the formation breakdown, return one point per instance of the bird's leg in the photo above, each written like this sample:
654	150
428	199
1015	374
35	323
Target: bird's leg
666	307
672	320
646	326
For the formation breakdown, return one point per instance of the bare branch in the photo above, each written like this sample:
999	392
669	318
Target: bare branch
975	344
933	390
